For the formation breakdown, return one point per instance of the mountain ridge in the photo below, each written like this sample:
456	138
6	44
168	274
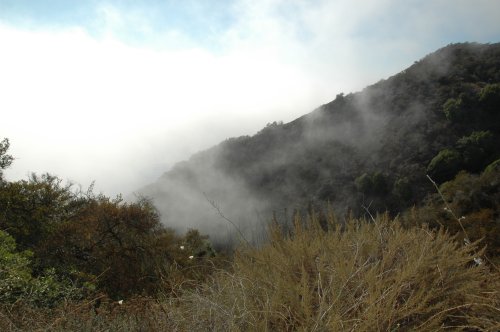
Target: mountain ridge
369	148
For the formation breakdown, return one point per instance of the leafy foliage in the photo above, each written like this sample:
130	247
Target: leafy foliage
14	269
374	184
490	97
72	238
453	110
477	150
474	200
18	284
445	165
5	159
33	208
493	167
402	189
121	243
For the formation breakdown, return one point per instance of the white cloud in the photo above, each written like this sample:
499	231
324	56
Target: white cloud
89	109
86	103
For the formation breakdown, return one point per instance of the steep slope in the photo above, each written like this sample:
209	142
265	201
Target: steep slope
368	149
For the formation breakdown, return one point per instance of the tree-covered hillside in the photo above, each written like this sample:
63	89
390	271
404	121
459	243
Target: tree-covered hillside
370	149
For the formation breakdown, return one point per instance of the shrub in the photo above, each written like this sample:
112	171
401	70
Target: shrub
476	149
122	243
5	159
18	285
15	272
445	165
453	109
475	200
403	189
363	277
493	167
490	97
372	184
363	183
32	209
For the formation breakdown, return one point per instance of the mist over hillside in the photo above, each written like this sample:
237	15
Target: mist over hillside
369	150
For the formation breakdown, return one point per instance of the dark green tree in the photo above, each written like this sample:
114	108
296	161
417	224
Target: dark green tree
372	184
454	110
490	97
477	150
445	165
31	209
5	159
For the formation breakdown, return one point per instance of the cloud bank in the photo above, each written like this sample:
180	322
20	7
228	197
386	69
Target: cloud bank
120	92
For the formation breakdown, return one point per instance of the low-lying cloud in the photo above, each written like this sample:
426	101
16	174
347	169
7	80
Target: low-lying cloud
119	98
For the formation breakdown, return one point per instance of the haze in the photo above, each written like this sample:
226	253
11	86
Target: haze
118	91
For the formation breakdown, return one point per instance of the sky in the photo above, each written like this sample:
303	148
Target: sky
117	92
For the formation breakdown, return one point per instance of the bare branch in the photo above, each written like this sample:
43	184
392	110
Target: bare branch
217	208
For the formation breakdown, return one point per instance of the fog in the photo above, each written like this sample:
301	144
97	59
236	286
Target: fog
386	129
122	94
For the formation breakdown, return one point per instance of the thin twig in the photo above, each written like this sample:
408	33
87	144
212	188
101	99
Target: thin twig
75	309
447	207
366	208
455	308
217	208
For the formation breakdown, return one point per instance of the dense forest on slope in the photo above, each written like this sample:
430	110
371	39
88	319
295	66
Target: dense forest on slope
367	149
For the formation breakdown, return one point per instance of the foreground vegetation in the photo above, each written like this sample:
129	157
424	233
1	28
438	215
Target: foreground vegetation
360	276
76	261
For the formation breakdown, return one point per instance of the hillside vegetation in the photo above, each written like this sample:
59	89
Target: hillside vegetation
379	211
372	148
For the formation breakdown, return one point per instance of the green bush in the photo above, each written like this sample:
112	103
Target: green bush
490	97
15	272
453	109
469	203
372	184
5	159
493	167
32	209
18	284
476	150
445	165
402	189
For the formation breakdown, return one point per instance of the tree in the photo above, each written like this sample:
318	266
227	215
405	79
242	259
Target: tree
5	159
372	184
32	208
15	272
453	109
477	150
445	165
403	189
490	97
17	282
123	244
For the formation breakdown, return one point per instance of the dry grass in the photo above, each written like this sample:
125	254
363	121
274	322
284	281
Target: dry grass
364	277
100	314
